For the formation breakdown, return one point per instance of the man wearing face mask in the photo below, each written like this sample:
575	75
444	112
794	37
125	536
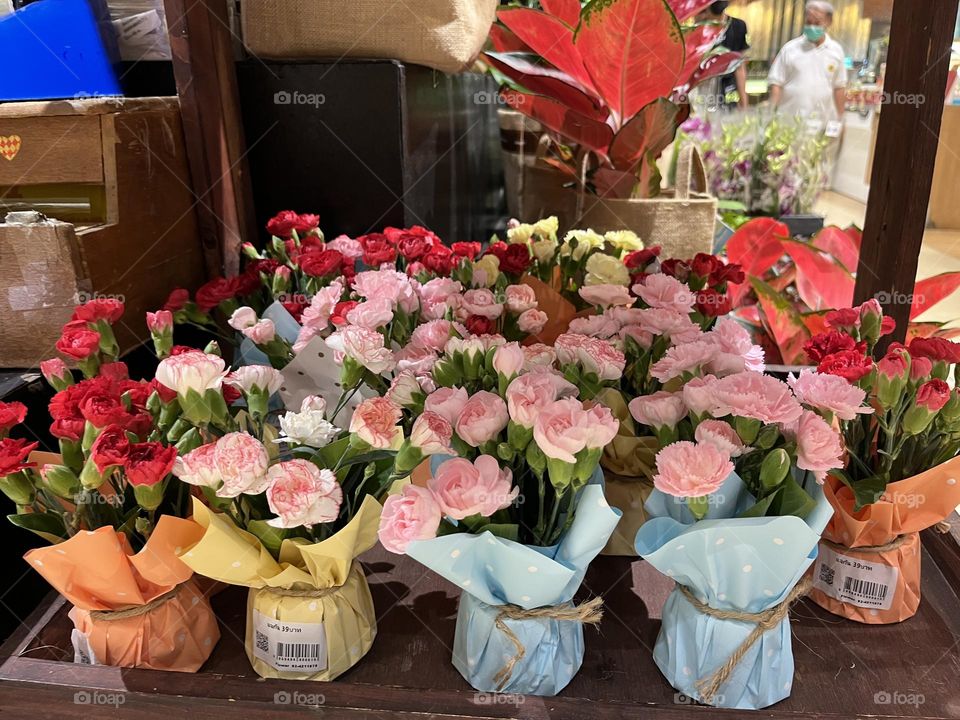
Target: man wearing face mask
808	76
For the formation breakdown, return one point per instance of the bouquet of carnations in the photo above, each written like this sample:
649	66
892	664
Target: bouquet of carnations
669	302
900	474
735	516
284	513
109	507
511	505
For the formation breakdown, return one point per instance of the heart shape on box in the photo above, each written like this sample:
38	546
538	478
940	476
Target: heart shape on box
10	146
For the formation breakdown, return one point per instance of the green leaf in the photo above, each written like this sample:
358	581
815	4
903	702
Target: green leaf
508	531
762	507
793	500
866	491
47	525
271	537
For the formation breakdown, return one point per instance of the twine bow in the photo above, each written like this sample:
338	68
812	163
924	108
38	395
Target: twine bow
892	545
764	621
309	592
589	612
135	610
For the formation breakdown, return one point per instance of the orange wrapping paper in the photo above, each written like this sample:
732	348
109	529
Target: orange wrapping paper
559	310
97	570
907	507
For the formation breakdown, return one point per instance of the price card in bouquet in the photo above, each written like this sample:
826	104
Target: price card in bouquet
82	652
286	645
854	580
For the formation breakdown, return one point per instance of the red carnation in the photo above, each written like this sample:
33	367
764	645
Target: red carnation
14	454
842	318
230	394
110	448
108	309
166	394
704	265
935	348
887	325
148	463
933	394
819	346
479	325
712	303
247	283
675	268
440	260
294	307
215	292
516	259
731	273
11	413
468	250
115	371
101	410
499	249
639	259
78	344
377	249
306	222
848	364
176	300
283	223
321	263
339	315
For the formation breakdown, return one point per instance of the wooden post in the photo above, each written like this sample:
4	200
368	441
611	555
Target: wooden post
920	37
203	65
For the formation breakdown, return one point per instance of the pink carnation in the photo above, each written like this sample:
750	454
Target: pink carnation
463	488
374	313
419	360
411	515
538	355
829	393
431	434
606	295
736	352
242	462
482	302
520	298
532	321
594	355
508	359
662	291
364	346
755	395
665	321
598	326
680	359
601	425
301	494
348	247
530	393
721	435
433	334
661	409
819	448
316	315
560	429
482	418
686	469
375	421
447	402
388	284
698	394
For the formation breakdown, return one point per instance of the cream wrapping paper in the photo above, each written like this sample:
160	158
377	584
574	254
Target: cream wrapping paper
108	584
315	588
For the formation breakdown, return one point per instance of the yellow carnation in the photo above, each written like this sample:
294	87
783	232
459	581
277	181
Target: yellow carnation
606	270
486	270
625	240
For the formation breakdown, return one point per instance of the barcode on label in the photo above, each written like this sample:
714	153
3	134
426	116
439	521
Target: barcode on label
298	651
263	642
865	588
826	574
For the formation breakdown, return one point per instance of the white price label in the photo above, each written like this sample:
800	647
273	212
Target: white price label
82	652
285	645
853	580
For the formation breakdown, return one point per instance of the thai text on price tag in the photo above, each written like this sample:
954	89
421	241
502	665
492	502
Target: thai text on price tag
286	645
853	580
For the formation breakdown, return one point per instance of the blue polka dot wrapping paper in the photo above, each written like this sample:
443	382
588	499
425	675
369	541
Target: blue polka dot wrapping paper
729	563
493	571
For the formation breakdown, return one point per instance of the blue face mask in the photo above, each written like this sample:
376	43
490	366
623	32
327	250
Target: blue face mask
813	33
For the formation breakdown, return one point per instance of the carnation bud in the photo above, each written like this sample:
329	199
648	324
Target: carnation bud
149	497
61	480
871	319
408	457
774	468
893	370
250	251
280	283
160	324
56	373
90	477
950	412
18	488
932	396
536	459
213	348
767	437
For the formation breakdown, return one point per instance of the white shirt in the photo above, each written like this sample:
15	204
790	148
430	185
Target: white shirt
808	74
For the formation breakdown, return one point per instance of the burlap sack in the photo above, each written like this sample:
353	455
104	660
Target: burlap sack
443	34
868	568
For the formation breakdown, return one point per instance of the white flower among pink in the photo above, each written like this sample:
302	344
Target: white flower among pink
819	448
242	318
364	346
532	321
520	298
262	377
682	359
829	393
371	314
482	418
686	469
376	422
198	467
463	488
530	393
447	402
411	515
661	409
607	295
755	395
431	434
242	462
302	494
662	291
721	435
195	371
482	302
404	388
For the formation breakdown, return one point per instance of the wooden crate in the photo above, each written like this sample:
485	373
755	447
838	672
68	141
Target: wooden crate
114	173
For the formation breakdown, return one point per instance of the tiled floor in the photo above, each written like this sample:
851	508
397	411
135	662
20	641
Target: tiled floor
940	251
